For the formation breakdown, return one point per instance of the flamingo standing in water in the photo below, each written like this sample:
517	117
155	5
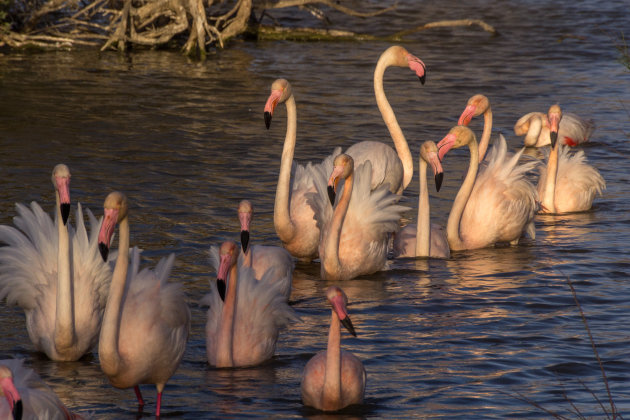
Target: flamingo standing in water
424	239
293	216
334	378
243	329
63	298
573	130
394	168
507	207
567	183
146	320
355	235
23	394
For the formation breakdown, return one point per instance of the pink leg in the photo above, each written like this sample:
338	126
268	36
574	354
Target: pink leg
159	403
138	395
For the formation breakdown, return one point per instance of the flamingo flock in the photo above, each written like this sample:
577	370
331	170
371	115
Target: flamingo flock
342	213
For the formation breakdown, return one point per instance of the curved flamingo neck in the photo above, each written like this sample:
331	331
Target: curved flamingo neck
331	396
533	131
64	334
281	212
423	228
331	263
386	60
111	361
452	228
226	331
548	200
485	136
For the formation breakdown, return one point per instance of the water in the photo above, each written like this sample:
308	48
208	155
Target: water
472	337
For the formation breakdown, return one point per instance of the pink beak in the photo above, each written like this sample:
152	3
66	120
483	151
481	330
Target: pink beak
418	67
467	115
107	231
270	106
445	145
340	309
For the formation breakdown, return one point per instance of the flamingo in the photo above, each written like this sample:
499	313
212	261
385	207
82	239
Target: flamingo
243	329
293	216
497	206
355	235
394	168
63	298
23	394
479	105
146	320
567	183
334	378
573	130
424	239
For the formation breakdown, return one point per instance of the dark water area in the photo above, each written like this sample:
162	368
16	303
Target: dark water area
486	334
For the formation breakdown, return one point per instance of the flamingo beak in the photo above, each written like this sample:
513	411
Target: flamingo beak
416	65
445	145
348	324
436	165
339	306
331	194
467	115
17	410
221	288
244	239
245	218
333	182
12	396
554	124
270	106
63	188
107	231
224	267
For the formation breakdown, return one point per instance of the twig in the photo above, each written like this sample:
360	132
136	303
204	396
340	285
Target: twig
447	23
282	4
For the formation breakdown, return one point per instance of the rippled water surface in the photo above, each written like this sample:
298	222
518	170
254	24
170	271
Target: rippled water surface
486	334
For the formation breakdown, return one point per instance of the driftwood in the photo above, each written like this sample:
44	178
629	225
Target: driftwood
193	25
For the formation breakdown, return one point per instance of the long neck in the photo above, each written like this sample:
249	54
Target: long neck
400	143
247	257
332	375
111	362
281	213
452	228
485	136
548	199
64	317
535	127
423	232
226	331
331	263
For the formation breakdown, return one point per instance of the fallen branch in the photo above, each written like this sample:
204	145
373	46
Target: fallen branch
444	24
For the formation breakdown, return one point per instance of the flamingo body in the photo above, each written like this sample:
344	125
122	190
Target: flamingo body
387	169
573	129
405	242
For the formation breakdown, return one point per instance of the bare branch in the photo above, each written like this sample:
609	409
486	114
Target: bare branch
282	4
446	23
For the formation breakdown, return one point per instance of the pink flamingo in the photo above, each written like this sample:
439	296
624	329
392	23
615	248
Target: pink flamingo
567	183
485	213
355	235
63	298
23	394
292	216
243	329
573	130
146	320
479	105
388	166
334	378
424	239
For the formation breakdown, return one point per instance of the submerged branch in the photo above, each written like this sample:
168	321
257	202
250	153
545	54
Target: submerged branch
445	24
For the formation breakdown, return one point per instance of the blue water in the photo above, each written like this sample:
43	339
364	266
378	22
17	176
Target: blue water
492	333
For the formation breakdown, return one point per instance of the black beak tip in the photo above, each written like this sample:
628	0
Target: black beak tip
422	79
221	288
104	250
331	195
244	240
348	324
267	119
17	410
65	212
554	138
439	177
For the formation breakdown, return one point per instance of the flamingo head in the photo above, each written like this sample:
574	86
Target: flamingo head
477	105
554	115
115	210
458	136
429	152
280	92
228	255
343	166
245	211
61	181
339	301
10	392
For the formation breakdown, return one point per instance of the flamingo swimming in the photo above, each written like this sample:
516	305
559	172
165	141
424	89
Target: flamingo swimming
424	239
292	215
573	130
23	394
243	329
146	320
63	298
394	168
567	183
334	378
497	206
355	234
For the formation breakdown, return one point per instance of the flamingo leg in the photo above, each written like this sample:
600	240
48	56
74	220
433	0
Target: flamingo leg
159	403
138	395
